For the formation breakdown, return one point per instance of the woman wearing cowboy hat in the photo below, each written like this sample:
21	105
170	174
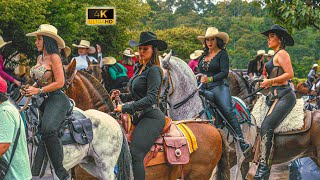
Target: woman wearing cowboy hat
144	93
214	64
117	73
255	66
282	98
194	60
128	60
312	75
84	60
3	74
49	77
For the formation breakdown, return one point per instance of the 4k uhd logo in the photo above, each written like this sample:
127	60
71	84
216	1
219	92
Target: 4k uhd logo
101	16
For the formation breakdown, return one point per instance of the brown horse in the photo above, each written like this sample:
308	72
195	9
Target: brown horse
89	93
302	88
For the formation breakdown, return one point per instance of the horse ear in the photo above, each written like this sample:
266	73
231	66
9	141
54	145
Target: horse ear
71	68
166	59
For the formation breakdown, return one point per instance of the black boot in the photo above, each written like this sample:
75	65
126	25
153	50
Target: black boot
266	149
55	152
245	147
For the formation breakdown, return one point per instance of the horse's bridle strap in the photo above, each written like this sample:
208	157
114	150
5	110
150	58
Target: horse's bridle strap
71	79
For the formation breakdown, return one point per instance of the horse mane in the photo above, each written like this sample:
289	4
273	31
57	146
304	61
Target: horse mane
98	86
242	82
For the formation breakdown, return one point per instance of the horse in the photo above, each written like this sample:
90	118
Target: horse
107	81
302	88
182	83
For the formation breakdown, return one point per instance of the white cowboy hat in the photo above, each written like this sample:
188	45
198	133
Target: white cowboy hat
109	60
50	31
196	54
261	52
315	65
85	44
270	53
214	32
127	52
136	53
3	43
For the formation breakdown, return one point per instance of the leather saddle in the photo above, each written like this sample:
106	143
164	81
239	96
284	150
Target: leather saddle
76	129
170	147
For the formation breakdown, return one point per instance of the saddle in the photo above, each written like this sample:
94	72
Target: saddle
76	129
170	147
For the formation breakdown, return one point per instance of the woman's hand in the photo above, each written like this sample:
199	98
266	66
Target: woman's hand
265	83
118	108
204	79
18	83
114	94
32	91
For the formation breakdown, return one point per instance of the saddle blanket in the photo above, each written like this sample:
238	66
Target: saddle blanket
294	120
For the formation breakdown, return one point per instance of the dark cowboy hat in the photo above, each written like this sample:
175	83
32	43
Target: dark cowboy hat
149	38
281	32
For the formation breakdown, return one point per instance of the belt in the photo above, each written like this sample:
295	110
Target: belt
48	94
150	108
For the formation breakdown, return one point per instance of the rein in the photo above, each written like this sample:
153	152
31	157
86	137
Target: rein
69	81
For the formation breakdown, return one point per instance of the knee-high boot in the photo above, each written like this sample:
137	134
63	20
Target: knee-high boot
55	152
266	148
245	147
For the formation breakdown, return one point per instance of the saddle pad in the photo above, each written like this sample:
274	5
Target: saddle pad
192	141
293	121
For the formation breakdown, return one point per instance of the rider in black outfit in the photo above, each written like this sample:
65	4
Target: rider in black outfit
144	93
214	64
282	98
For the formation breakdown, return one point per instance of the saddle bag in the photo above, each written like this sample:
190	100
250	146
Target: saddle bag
176	149
81	130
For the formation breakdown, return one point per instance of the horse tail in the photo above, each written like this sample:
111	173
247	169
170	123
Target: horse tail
124	161
223	165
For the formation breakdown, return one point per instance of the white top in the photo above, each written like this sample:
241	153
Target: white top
82	61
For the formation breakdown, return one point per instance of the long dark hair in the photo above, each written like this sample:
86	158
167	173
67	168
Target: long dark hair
220	44
282	41
51	45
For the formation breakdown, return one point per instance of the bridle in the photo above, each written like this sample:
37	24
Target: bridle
69	81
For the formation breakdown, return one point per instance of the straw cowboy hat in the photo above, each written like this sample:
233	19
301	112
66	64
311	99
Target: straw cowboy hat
127	52
109	60
214	32
260	52
149	38
164	54
281	32
136	53
67	51
50	31
3	43
196	54
270	53
315	65
85	44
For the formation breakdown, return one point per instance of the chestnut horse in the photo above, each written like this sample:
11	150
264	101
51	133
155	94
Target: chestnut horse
89	93
183	83
302	88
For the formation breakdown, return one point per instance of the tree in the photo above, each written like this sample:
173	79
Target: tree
295	13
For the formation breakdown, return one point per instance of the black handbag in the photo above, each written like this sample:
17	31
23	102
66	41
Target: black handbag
4	165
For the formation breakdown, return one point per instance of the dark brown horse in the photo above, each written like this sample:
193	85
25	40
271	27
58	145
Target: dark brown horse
89	93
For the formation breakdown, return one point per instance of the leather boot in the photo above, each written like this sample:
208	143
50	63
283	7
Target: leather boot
245	147
266	150
55	152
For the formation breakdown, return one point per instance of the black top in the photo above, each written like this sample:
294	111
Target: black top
144	89
218	68
253	67
272	70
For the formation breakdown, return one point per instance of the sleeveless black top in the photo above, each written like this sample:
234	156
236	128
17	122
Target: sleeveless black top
272	70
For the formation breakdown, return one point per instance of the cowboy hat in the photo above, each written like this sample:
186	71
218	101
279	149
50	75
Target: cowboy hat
67	51
164	54
136	53
282	32
85	44
261	52
3	43
127	52
149	38
315	65
270	53
109	60
50	31
196	54
214	32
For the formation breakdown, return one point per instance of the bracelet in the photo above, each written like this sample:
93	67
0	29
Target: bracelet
41	90
210	79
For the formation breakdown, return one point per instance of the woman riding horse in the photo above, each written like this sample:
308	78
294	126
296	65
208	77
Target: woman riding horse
144	92
281	99
214	64
49	77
